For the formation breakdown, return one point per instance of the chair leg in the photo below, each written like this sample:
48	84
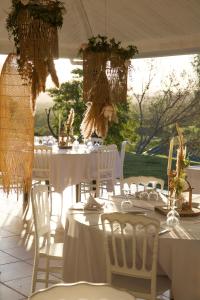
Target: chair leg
34	276
47	272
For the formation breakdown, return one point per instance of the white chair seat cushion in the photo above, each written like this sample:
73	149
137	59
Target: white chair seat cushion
140	287
53	250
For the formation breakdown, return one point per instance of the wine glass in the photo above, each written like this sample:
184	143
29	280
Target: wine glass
172	216
126	203
144	195
153	195
89	145
76	143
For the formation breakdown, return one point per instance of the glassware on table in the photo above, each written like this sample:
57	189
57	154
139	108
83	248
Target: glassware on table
126	203
144	195
172	216
109	205
153	195
89	145
75	145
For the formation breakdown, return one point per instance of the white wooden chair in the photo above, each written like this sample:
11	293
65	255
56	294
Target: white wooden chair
105	171
81	291
131	246
43	247
41	166
137	183
122	156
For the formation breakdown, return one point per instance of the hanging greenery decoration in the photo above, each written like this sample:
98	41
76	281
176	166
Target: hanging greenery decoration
105	71
33	26
102	44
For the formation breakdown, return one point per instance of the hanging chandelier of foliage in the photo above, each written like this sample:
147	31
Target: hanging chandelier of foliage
105	71
33	26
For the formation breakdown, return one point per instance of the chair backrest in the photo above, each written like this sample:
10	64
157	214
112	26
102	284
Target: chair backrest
42	156
138	182
81	291
122	156
106	162
41	213
131	245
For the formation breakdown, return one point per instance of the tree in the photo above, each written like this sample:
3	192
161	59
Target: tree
118	132
156	116
69	95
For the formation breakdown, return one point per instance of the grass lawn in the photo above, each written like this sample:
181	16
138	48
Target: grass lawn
147	165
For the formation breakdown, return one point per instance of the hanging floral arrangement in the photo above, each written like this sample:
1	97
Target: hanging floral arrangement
33	26
105	72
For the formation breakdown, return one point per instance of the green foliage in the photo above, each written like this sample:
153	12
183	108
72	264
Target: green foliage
41	127
123	130
101	43
69	95
147	165
51	13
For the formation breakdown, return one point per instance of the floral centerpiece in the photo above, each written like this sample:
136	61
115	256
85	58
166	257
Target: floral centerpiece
177	178
66	134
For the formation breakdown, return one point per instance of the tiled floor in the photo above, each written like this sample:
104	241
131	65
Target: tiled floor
17	246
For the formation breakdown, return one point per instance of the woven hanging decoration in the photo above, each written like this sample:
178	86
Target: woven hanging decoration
114	67
16	128
36	41
100	109
105	72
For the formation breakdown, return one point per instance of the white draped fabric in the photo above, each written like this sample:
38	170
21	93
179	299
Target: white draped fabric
193	176
179	251
68	167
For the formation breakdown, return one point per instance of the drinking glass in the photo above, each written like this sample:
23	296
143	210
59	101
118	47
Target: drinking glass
76	143
144	195
126	203
172	216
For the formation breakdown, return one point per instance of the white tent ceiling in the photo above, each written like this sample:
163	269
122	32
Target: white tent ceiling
156	27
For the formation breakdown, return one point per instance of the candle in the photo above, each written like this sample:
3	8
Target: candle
170	156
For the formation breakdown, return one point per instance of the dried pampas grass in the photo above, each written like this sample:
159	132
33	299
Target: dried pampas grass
96	118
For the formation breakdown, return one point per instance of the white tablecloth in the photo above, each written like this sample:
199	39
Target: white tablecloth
179	252
193	176
68	168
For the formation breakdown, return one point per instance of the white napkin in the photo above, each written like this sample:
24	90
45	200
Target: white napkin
92	204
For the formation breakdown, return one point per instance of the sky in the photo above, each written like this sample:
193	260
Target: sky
139	74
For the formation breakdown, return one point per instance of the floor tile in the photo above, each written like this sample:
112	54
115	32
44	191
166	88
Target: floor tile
5	233
8	294
9	242
22	285
20	253
6	258
14	270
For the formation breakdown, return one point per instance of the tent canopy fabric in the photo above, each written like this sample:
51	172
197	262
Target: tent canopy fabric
156	27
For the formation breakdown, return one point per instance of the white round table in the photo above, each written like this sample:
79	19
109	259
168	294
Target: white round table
178	256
